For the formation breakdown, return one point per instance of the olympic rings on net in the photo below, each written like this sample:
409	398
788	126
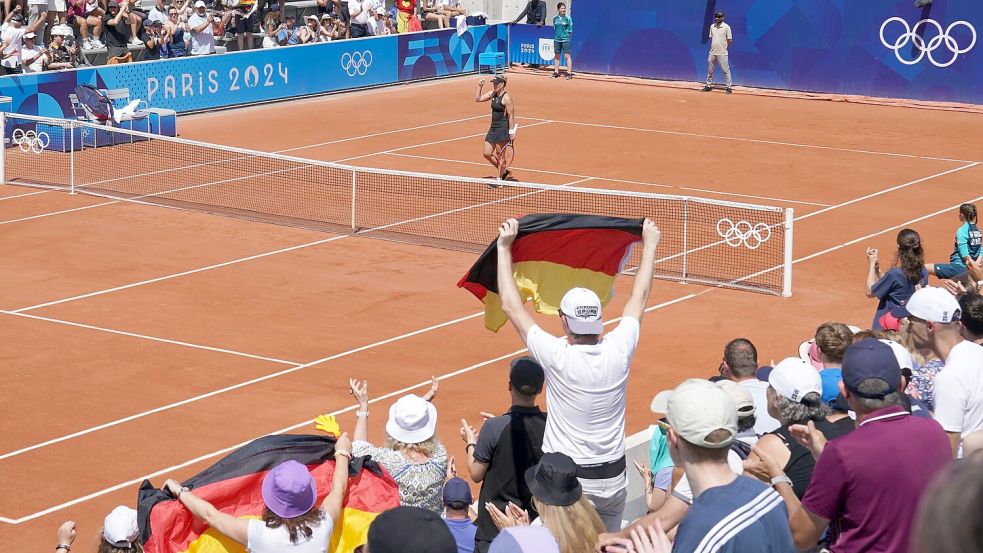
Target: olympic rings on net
31	141
742	232
926	48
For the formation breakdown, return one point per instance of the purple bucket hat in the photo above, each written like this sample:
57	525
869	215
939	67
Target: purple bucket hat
289	490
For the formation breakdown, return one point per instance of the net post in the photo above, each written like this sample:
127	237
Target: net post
685	237
71	157
3	147
354	181
787	263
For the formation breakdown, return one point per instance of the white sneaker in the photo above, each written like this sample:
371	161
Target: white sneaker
96	43
87	44
135	41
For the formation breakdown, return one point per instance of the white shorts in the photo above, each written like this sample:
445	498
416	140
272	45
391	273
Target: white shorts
57	6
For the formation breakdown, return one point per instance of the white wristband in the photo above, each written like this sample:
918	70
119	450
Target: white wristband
361	413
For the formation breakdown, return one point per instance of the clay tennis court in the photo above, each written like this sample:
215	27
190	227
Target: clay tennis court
140	341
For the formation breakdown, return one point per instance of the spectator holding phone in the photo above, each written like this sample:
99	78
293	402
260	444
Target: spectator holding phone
153	39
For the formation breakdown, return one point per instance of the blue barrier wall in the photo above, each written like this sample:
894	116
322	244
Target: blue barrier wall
205	82
840	46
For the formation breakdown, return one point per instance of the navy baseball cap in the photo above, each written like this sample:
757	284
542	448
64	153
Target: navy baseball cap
457	493
871	358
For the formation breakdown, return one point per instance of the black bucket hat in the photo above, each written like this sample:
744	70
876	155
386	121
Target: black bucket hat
554	480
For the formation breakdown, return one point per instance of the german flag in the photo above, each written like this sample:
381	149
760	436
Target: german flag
234	486
552	254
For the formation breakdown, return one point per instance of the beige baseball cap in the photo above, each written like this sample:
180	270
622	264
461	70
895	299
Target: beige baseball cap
696	409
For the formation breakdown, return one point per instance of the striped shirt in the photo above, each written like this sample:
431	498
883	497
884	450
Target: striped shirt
745	515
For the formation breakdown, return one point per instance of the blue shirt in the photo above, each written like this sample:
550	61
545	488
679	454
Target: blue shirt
969	241
564	28
463	532
745	515
893	290
292	36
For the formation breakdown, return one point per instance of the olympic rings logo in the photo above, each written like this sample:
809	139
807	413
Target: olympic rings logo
742	232
356	63
31	141
924	47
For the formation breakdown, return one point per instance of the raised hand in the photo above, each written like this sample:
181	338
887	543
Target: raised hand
360	390
432	393
507	233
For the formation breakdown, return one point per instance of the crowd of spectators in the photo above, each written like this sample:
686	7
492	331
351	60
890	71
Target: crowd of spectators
845	447
178	28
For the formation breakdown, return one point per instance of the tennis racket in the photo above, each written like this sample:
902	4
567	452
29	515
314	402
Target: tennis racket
506	156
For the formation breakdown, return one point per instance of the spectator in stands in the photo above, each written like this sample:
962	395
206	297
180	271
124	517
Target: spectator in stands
412	453
292	518
153	39
933	317
947	521
559	499
32	56
361	12
379	25
288	34
120	532
340	31
506	448
586	421
451	8
269	38
57	12
431	12
243	22
971	321
174	31
721	38
408	529
12	37
795	392
310	33
404	11
87	14
457	504
893	288
37	16
906	362
158	12
563	26
740	364
830	342
729	512
968	246
868	482
525	539
534	12
202	38
135	16
64	51
117	32
746	414
324	34
66	537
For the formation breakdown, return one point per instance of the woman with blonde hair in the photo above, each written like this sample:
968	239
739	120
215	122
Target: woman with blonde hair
559	499
412	453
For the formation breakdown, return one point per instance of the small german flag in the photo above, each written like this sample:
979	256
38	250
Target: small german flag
552	254
234	486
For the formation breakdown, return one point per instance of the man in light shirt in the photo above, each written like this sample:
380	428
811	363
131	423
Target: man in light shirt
720	40
202	39
32	56
586	374
361	12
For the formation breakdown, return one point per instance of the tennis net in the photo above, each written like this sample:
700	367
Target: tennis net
703	240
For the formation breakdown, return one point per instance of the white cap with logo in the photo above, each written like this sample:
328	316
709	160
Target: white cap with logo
793	378
696	409
931	304
582	309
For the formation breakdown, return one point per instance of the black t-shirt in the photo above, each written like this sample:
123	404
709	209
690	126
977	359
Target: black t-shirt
117	36
150	53
800	461
509	445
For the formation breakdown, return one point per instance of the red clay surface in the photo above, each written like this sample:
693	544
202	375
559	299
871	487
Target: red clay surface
391	312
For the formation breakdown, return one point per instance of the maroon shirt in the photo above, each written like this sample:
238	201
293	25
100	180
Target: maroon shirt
868	482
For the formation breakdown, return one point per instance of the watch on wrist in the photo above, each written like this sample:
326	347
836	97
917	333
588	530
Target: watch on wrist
61	546
780	479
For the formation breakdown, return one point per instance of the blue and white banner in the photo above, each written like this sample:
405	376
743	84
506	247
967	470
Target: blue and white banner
531	44
206	82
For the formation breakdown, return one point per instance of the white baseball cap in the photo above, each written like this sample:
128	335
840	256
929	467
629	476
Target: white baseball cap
582	310
696	409
741	396
29	35
200	4
903	356
310	17
412	419
120	527
931	304
794	378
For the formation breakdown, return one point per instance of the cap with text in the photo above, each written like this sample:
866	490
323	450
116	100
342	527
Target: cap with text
582	310
794	379
931	304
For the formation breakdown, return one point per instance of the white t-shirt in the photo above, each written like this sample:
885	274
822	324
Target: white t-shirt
718	39
37	65
203	42
683	492
363	17
763	422
14	38
377	27
269	540
157	15
959	390
585	395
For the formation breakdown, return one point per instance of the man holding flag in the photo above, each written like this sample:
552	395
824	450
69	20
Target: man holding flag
586	374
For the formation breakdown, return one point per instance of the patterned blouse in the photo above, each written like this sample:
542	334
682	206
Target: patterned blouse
922	385
420	485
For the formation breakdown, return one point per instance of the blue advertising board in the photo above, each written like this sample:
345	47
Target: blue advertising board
206	82
531	44
886	48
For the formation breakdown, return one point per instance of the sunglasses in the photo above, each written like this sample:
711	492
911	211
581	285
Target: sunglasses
663	425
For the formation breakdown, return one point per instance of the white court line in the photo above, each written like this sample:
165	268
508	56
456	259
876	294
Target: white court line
640	183
52	213
762	141
680	299
304	423
433	143
22	195
384	133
